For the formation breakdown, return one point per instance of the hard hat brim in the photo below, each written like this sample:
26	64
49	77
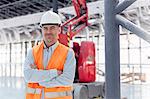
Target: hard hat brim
49	24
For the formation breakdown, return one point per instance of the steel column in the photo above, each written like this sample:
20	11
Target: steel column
10	61
55	6
112	51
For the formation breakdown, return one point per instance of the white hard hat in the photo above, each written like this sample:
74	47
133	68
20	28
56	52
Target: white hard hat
50	18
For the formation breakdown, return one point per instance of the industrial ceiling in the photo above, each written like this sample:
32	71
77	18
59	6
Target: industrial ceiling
19	19
13	8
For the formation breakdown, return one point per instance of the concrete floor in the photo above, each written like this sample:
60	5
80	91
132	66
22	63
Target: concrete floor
135	91
14	88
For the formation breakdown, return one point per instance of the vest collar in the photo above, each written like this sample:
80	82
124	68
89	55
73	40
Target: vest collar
52	47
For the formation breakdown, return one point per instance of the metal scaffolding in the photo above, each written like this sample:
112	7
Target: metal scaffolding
112	43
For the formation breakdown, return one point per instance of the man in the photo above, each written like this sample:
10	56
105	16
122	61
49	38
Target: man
49	67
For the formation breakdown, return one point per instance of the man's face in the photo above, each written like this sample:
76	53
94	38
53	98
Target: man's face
50	33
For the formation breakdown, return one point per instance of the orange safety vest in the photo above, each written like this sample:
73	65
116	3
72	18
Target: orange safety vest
34	90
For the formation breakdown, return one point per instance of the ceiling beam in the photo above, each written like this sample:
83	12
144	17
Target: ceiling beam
43	7
6	13
23	12
2	15
9	11
14	3
1	3
94	8
21	21
15	10
5	1
33	4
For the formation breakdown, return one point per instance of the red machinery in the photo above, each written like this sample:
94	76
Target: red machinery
85	54
86	62
80	21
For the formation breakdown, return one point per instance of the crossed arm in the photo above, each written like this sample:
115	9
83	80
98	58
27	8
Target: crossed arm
67	76
53	77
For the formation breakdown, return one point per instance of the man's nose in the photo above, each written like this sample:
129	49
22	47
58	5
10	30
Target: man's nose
49	30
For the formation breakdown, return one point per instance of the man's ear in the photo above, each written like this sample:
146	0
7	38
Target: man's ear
59	30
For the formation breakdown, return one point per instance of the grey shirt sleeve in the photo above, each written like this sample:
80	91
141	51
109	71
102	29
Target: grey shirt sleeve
35	75
67	77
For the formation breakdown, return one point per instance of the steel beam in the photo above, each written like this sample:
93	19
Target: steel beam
133	28
123	5
112	51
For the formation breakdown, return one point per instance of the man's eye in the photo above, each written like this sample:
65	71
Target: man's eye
45	28
53	27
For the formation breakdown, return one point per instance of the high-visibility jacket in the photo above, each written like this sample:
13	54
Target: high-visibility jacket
34	90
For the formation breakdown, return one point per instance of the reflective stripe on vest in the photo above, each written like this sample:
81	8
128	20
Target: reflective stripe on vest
34	90
57	94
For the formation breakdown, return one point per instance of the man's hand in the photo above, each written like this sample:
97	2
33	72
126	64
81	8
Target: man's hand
33	66
59	72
